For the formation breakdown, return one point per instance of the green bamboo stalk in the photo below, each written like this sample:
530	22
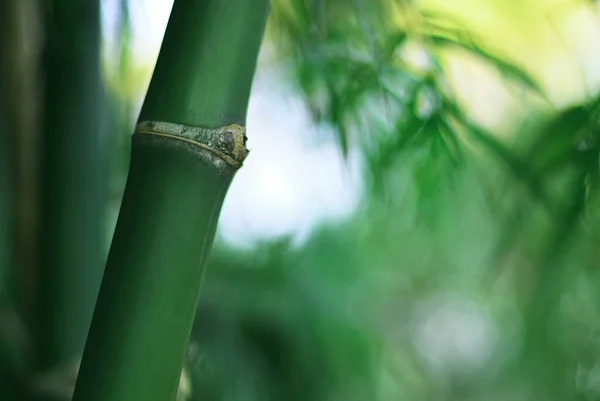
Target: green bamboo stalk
9	383
189	142
18	50
74	182
6	185
19	55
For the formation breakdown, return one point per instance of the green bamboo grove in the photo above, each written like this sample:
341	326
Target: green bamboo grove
189	142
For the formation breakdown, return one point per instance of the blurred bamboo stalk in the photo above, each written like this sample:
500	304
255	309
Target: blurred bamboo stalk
74	182
20	44
189	143
6	167
8	371
19	116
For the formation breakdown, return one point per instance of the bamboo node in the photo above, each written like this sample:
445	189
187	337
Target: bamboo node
227	142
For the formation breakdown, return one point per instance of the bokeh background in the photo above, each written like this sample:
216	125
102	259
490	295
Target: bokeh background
418	218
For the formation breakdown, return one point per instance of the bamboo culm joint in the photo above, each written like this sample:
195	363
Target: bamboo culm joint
227	143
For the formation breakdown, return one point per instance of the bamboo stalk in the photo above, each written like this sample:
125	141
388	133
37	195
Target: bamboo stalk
74	182
188	144
6	178
19	55
18	111
9	375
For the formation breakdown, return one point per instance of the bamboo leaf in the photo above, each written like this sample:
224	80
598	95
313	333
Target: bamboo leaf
558	141
516	165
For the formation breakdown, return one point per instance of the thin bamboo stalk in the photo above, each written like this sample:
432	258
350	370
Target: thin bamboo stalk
189	143
6	178
9	372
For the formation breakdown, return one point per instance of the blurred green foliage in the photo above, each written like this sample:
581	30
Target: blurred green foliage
469	271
